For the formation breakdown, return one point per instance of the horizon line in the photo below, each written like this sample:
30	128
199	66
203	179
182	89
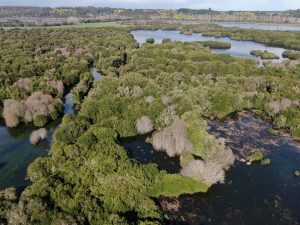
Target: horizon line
86	6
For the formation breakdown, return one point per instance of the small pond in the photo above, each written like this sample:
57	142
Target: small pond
144	153
252	194
238	48
16	153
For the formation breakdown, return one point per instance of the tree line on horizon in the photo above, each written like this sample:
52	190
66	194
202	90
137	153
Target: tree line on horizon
93	13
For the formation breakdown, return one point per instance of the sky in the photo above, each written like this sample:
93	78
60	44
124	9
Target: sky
222	5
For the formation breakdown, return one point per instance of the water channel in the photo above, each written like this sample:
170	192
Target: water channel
16	153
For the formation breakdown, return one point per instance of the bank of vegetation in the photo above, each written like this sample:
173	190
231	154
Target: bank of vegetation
264	54
216	44
292	55
165	91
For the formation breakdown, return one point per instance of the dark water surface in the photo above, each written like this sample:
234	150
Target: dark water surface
143	152
252	194
16	153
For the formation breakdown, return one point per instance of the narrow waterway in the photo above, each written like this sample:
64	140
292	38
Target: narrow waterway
16	153
143	152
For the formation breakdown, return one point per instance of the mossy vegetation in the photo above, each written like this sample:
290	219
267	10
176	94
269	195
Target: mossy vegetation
264	54
292	55
216	44
266	162
256	156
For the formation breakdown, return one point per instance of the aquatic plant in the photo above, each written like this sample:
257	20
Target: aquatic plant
256	156
266	162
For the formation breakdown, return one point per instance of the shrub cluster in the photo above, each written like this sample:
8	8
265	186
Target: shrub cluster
264	54
36	108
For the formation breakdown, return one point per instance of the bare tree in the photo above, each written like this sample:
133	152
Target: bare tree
38	135
144	125
225	158
13	111
208	172
173	139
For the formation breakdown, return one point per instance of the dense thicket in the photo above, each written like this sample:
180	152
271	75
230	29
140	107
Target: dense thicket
292	55
37	66
168	89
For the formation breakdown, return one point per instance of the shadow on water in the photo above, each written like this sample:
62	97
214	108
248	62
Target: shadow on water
252	194
143	152
2	165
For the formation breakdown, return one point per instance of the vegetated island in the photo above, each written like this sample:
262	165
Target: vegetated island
216	44
292	55
264	54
